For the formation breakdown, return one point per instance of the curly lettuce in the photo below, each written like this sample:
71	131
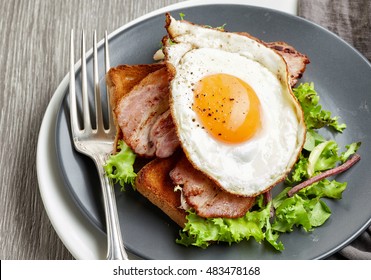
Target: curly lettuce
202	232
120	167
323	157
314	116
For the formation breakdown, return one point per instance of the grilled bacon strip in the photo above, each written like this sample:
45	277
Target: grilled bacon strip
203	195
142	118
296	61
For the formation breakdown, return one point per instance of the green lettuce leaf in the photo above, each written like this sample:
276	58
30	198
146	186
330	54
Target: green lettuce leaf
202	232
299	211
291	212
351	149
181	15
323	157
312	139
314	116
299	172
120	167
325	188
318	212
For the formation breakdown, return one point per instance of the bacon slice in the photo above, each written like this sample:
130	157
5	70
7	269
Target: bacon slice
121	80
163	135
203	195
140	115
296	61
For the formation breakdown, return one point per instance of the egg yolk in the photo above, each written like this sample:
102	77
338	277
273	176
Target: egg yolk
227	108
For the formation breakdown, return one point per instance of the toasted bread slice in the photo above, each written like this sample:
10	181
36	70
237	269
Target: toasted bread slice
154	183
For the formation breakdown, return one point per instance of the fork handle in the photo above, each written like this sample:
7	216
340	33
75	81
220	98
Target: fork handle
115	247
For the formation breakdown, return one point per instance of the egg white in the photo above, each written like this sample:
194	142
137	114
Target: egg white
251	167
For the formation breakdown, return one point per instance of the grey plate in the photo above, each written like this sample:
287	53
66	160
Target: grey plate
343	79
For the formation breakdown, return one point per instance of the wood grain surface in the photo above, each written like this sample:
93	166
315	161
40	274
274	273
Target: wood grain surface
34	48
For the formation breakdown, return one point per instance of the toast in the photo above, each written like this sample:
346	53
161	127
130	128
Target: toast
154	183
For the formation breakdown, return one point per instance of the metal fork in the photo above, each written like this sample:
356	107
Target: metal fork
96	143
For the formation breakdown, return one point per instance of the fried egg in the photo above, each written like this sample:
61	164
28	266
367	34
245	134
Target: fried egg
236	117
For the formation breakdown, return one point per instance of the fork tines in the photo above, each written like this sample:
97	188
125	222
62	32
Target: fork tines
87	126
